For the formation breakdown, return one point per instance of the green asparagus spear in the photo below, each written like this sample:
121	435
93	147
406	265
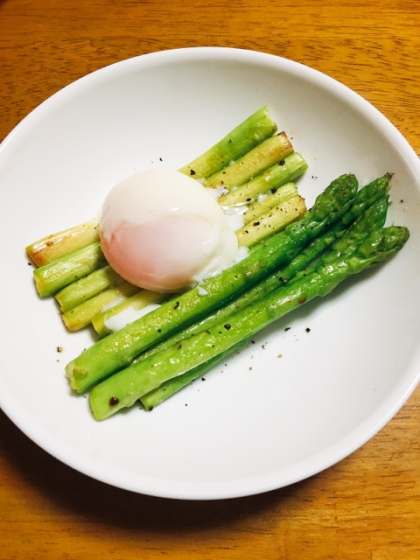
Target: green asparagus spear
119	349
251	132
372	216
61	272
289	169
127	386
253	163
367	196
172	386
59	244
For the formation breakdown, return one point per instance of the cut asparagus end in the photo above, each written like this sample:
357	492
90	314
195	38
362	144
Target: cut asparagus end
274	221
251	132
285	171
87	287
268	201
56	275
59	244
253	163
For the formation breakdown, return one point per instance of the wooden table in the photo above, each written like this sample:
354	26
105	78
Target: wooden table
367	506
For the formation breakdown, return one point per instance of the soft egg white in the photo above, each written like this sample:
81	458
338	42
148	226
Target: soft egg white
163	231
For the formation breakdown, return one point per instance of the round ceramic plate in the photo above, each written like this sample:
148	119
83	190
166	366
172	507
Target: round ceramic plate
312	388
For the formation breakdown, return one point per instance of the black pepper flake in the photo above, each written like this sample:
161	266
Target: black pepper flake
192	172
113	401
273	190
228	327
161	159
287	329
176	305
248	200
29	264
159	330
59	348
229	140
179	346
308	329
253	341
203	379
256	223
282	162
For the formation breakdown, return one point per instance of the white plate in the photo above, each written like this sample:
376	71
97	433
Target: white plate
245	430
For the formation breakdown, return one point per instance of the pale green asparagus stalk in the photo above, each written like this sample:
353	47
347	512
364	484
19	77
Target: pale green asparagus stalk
263	156
51	250
82	315
87	287
59	244
275	220
56	275
269	201
288	169
131	307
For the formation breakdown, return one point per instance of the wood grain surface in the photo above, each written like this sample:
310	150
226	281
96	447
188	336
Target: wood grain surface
365	507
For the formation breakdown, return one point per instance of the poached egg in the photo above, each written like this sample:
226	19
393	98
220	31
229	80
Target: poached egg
163	231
